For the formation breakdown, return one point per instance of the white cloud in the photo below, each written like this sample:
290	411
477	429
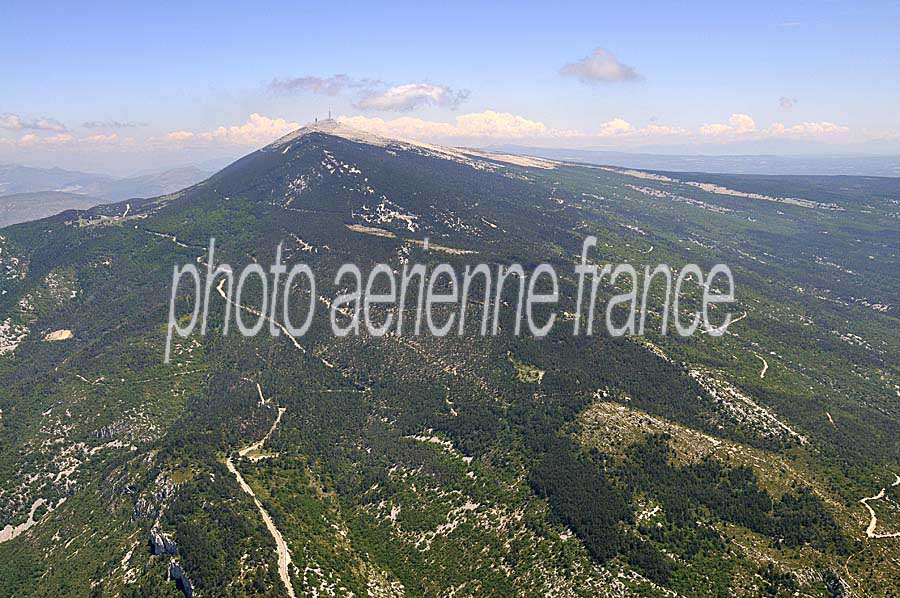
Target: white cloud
616	126
405	126
742	123
654	130
100	138
499	124
61	139
743	126
487	124
738	124
11	122
402	98
600	66
257	130
621	129
177	136
373	94
14	122
58	139
490	124
807	129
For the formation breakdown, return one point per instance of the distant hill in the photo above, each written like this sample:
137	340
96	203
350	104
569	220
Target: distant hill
24	207
148	185
888	166
16	179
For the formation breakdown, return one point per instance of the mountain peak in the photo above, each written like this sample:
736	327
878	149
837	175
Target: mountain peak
330	126
336	128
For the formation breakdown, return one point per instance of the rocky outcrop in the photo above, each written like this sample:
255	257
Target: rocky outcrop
144	508
105	433
160	543
150	503
176	574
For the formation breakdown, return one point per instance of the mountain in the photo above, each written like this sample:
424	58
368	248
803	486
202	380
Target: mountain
15	179
25	179
759	461
852	165
148	185
22	207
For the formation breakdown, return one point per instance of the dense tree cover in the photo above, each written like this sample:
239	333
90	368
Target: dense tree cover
729	494
210	541
594	496
582	497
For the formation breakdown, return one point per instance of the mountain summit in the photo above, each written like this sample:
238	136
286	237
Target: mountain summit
333	127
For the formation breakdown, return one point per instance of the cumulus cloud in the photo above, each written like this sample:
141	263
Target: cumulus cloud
405	126
807	129
499	124
620	128
177	136
45	124
403	98
58	139
13	122
743	126
487	124
101	138
10	122
374	94
490	124
257	130
738	124
786	103
601	66
29	139
493	125
654	130
616	126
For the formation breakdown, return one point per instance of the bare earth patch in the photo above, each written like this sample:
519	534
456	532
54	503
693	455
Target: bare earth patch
59	335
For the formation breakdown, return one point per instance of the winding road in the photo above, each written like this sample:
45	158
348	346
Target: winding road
723	329
284	554
256	312
765	367
873	522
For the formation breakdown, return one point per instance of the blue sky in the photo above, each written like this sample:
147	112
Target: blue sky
658	75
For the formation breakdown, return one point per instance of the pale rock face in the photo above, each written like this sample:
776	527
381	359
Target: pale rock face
176	573
161	543
59	335
463	155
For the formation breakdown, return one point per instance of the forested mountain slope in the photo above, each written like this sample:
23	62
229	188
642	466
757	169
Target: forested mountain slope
467	466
